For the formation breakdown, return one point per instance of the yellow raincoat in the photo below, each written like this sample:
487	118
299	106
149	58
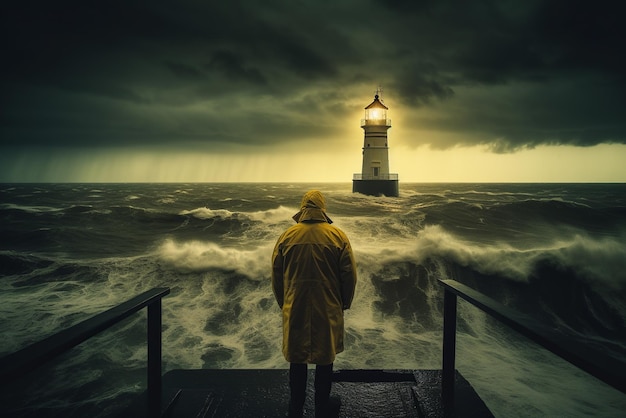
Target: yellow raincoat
313	279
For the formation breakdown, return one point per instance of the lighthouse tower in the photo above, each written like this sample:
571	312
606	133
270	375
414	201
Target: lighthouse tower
375	178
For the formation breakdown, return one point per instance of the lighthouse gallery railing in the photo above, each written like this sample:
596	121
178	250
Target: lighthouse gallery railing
359	176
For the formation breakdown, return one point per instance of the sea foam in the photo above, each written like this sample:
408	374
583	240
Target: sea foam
197	256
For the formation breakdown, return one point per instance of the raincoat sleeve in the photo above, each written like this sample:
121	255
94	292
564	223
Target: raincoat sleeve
347	272
277	274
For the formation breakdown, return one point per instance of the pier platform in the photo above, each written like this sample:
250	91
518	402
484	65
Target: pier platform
265	393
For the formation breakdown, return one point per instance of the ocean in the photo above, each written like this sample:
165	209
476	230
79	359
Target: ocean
556	252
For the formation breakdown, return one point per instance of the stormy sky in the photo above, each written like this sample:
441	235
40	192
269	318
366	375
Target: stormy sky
275	90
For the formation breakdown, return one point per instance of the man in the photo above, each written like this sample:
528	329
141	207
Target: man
313	279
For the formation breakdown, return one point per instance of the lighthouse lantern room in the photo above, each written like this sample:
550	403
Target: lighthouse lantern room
375	178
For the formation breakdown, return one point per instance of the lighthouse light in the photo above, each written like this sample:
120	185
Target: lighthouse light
375	114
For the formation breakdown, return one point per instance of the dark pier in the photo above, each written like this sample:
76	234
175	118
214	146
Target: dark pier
265	393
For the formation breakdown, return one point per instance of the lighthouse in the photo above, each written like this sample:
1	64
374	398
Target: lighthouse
375	178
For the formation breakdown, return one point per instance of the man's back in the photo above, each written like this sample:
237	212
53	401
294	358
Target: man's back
313	278
314	251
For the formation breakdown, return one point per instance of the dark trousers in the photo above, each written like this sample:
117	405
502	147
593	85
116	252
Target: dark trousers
297	385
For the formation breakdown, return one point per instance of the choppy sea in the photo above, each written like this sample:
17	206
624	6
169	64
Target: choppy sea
556	252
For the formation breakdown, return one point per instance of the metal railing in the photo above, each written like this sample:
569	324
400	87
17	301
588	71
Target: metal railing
360	176
608	369
29	358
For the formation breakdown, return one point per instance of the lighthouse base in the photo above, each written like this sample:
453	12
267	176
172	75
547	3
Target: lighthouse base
387	188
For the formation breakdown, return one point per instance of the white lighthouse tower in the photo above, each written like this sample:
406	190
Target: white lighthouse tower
375	178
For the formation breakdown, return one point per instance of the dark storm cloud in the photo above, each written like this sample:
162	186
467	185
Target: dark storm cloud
193	72
232	66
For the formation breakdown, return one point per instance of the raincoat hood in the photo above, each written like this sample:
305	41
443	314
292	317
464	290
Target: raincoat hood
312	208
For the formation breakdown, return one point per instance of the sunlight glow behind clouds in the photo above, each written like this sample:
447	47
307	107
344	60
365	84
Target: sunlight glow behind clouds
602	163
188	89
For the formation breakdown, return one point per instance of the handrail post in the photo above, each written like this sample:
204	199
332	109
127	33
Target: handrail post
154	359
449	348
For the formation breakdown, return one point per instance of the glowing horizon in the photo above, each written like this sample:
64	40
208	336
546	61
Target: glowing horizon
545	164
